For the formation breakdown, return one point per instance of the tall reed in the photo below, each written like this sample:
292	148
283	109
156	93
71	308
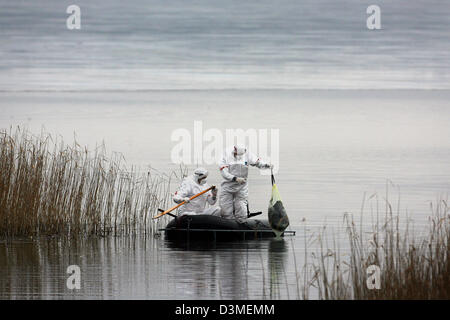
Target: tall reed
47	187
412	265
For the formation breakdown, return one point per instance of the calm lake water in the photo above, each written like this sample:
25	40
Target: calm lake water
335	146
357	111
148	268
215	44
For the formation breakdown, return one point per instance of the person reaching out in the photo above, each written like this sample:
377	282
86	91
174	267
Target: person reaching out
234	170
191	186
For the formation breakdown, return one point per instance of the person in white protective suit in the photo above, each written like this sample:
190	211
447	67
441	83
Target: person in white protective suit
191	186
234	192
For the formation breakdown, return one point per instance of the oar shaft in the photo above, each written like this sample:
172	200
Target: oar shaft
180	204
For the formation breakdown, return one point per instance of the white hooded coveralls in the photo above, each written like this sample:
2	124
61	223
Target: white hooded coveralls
190	187
233	196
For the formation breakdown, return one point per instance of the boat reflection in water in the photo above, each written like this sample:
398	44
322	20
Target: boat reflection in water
143	267
232	269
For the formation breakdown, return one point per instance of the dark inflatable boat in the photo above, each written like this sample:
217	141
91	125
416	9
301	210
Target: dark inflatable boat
207	227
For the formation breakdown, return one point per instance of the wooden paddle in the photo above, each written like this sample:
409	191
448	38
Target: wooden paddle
180	204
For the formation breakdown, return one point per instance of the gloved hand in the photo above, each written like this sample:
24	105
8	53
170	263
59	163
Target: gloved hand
187	200
214	192
240	180
268	166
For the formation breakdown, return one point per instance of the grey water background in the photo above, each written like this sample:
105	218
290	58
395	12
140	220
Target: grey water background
358	111
214	44
336	147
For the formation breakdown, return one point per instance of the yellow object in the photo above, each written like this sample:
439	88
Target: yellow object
278	218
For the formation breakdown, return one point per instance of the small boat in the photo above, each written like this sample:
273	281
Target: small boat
208	227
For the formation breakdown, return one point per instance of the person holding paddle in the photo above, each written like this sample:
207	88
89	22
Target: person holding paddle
192	186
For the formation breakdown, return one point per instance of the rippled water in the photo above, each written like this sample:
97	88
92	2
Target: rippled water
148	268
335	147
139	70
204	44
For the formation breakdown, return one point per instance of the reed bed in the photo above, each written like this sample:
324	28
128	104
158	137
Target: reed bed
412	264
49	188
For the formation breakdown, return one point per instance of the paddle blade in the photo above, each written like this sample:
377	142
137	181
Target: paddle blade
253	214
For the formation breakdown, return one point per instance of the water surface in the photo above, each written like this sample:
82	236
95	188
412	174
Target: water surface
147	268
360	113
204	44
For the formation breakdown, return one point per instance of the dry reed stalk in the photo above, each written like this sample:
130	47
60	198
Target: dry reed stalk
49	188
413	266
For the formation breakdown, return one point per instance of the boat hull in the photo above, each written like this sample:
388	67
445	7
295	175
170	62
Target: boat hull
212	228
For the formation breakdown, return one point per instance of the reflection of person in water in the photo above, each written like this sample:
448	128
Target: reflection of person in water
229	270
242	271
193	271
213	271
234	272
277	258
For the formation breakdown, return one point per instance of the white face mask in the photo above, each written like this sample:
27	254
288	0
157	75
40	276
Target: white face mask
201	181
239	153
